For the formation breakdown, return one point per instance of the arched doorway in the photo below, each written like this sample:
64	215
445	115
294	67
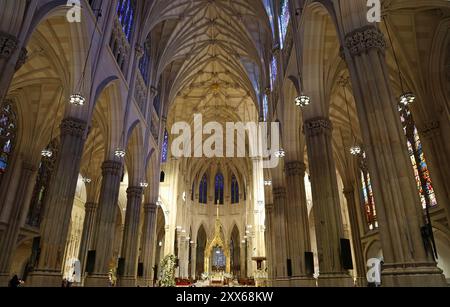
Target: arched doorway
201	246
235	252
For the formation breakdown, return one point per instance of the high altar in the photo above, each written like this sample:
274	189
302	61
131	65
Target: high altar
217	256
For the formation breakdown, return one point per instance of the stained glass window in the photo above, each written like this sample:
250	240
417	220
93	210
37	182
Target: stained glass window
165	147
265	108
126	13
203	190
284	19
273	72
269	10
418	161
234	190
8	130
367	195
218	191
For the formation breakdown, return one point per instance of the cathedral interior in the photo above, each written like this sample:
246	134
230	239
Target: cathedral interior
99	187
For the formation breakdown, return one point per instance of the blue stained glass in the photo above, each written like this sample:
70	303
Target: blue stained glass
144	65
265	108
126	13
284	19
165	148
7	135
273	72
203	190
219	186
234	190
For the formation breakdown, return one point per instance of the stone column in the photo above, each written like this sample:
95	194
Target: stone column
297	226
149	242
280	238
327	208
270	241
86	237
130	246
399	211
17	218
106	224
360	266
58	209
243	260
193	260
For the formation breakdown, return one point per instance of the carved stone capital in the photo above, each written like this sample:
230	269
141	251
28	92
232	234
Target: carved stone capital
73	126
318	126
8	45
364	39
150	208
112	168
295	168
135	192
430	129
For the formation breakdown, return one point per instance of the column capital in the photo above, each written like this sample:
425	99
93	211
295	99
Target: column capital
364	39
150	208
73	126
112	167
8	45
295	168
430	128
135	192
318	126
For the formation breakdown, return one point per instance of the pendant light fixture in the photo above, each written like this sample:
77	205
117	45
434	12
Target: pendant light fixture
47	152
355	149
407	97
77	98
88	180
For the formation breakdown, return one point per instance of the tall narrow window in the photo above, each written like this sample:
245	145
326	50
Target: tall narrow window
367	195
203	190
8	129
126	10
421	172
234	190
284	18
265	108
165	147
273	72
218	191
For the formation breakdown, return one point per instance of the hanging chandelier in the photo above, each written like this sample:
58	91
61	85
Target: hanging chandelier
77	100
302	101
47	153
144	185
355	150
268	183
280	153
87	180
120	153
407	97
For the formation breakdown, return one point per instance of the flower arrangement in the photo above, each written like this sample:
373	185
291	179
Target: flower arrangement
168	271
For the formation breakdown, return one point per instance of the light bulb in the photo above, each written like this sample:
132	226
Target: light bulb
120	153
407	98
280	153
355	150
47	153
